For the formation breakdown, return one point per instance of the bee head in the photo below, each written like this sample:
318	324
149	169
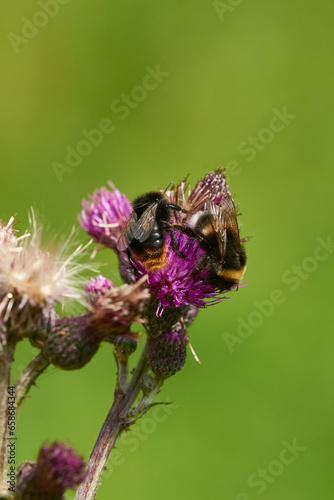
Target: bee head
144	201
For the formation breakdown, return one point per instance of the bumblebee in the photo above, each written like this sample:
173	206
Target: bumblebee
218	231
144	233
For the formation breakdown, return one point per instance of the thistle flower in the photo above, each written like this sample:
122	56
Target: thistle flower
176	285
105	214
180	283
212	187
98	286
7	235
58	468
32	280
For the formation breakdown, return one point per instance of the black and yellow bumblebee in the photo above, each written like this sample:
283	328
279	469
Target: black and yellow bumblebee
145	231
217	229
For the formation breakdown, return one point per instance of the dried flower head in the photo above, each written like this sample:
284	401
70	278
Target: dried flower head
33	279
8	237
116	310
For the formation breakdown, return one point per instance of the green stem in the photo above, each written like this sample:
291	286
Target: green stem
117	420
123	373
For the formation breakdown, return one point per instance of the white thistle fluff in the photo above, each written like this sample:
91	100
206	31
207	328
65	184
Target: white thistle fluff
30	274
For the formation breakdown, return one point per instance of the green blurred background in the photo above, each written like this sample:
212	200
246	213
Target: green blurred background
229	69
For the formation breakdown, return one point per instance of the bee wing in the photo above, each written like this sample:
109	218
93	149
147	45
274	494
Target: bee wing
143	227
230	215
223	218
127	234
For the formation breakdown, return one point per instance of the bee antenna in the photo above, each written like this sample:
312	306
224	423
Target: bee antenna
168	186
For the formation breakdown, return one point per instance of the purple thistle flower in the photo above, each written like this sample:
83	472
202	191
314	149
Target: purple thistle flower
105	214
175	285
99	286
58	468
182	281
212	187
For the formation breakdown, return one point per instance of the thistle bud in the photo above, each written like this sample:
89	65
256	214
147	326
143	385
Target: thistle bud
72	343
165	321
166	354
58	468
148	384
124	347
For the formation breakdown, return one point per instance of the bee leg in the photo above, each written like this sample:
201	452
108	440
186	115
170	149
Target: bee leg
184	229
129	255
174	246
131	262
201	264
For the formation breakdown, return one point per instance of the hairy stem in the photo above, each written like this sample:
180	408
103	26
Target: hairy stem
117	420
29	376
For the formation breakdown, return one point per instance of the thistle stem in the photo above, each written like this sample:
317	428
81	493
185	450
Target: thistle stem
123	373
117	420
6	359
29	376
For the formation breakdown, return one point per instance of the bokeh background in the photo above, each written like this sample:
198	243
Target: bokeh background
247	85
